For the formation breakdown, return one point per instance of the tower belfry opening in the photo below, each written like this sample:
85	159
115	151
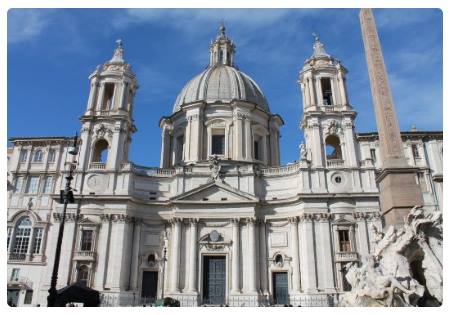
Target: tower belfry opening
325	84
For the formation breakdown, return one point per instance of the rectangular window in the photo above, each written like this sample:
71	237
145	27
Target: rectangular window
218	144
21	242
86	240
326	91
256	150
19	184
15	274
33	185
344	241
48	183
37	240
28	297
373	155
51	156
179	149
23	156
415	151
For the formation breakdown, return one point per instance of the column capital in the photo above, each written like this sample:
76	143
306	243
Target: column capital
235	221
121	218
193	221
292	219
175	220
322	217
105	217
306	217
250	220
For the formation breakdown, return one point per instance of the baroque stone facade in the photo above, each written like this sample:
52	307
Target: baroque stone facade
220	221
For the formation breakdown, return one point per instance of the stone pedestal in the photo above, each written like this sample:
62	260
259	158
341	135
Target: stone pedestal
399	192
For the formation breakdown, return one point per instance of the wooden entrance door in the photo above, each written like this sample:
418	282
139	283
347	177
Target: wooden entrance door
149	285
280	288
214	274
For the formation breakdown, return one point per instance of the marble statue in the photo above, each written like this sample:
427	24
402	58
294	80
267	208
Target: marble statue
303	151
405	267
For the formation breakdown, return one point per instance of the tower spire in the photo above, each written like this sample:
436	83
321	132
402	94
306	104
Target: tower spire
118	52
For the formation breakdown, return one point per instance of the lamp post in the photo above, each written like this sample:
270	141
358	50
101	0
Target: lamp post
67	197
164	259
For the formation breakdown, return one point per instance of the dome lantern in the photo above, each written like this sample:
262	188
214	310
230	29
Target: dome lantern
222	49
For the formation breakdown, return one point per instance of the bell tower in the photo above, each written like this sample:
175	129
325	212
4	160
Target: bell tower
107	124
328	118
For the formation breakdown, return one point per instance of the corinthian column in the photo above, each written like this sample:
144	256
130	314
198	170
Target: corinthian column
235	272
295	255
251	256
399	191
193	256
175	255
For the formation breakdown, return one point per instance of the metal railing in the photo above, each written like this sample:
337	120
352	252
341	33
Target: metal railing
17	257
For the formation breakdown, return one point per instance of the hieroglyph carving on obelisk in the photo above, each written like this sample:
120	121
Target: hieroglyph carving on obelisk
389	132
399	191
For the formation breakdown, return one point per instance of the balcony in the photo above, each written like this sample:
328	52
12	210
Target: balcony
97	166
335	163
346	256
85	255
22	283
17	257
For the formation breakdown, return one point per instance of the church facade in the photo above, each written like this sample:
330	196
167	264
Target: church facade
220	222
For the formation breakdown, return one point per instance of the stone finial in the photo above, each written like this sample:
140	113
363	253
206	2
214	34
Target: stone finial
222	29
118	52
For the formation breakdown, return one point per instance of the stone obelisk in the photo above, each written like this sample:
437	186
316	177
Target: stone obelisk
399	191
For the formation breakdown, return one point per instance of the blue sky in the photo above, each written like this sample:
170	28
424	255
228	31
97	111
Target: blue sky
52	52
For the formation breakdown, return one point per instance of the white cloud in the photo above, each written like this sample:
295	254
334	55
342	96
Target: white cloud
26	24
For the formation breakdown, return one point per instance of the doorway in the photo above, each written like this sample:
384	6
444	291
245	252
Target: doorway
214	275
280	288
149	285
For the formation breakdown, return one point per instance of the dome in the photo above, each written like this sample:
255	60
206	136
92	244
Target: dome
221	83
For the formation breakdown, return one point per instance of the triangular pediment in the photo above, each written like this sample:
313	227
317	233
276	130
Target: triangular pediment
215	192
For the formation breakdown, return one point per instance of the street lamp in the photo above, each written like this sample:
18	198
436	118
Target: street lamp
66	197
164	259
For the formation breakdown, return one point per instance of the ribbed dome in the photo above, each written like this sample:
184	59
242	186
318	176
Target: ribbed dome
221	83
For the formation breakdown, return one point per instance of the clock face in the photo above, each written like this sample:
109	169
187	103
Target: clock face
214	236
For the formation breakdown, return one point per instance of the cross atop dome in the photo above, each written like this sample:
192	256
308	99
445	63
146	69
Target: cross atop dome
118	52
319	48
222	49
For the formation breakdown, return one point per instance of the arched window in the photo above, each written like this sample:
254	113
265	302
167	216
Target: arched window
83	275
23	156
38	156
333	148
51	155
100	151
22	238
